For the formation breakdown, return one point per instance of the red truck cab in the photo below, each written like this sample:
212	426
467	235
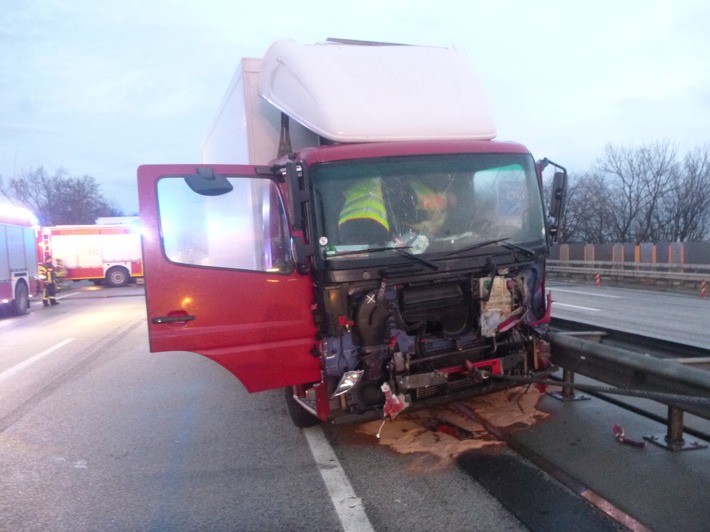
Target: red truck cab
362	277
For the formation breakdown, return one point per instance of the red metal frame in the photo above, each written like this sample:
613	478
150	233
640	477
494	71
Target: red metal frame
258	325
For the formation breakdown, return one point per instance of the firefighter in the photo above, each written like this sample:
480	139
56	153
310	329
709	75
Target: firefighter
47	270
414	206
363	218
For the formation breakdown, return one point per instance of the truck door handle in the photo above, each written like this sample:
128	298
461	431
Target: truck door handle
172	319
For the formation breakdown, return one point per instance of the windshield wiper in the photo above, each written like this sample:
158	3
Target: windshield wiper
402	250
361	251
502	241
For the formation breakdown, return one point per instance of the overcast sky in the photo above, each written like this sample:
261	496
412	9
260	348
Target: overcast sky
101	87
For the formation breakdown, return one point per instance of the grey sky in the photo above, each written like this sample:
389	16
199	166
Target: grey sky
102	87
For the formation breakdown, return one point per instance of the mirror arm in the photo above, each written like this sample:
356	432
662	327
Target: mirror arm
300	254
544	163
298	201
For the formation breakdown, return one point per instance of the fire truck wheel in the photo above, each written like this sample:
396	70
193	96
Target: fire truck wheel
301	417
22	299
117	276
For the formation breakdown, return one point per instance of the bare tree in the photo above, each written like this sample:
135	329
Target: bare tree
30	190
685	213
588	212
59	199
639	178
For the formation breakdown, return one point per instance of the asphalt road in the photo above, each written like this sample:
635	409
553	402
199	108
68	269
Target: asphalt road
98	434
678	317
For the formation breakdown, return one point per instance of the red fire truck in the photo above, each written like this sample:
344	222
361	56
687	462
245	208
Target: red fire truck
378	252
18	258
102	253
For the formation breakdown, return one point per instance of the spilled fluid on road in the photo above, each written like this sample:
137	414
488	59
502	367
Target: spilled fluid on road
503	411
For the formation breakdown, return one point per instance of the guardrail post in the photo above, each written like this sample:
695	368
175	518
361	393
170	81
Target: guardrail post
673	439
567	393
703	291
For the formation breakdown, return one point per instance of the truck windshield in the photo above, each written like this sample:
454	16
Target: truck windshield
427	204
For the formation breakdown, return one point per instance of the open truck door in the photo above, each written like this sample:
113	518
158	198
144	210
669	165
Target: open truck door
221	280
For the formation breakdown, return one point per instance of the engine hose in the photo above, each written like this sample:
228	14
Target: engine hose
399	319
661	397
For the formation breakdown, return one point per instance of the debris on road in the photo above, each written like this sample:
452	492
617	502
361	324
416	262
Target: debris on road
505	410
441	425
619	433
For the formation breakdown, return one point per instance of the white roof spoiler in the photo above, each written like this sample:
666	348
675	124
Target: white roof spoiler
372	93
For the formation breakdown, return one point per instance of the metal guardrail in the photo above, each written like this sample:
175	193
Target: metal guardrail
636	270
657	346
628	370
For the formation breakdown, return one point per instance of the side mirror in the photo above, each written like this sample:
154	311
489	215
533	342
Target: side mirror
557	199
206	183
557	202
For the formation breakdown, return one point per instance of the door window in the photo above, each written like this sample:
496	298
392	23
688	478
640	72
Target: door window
243	227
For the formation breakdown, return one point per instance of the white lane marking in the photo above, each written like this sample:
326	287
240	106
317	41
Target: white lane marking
558	304
348	506
22	365
64	296
553	289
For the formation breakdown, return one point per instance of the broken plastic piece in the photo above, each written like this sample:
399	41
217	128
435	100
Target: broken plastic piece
510	321
619	433
349	380
343	321
394	404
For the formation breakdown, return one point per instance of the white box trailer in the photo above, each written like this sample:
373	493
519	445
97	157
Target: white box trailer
247	128
109	254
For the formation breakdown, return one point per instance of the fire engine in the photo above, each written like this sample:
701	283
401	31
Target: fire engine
18	258
102	253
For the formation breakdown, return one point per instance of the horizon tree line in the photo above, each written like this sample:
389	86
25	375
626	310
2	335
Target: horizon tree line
59	199
631	194
638	194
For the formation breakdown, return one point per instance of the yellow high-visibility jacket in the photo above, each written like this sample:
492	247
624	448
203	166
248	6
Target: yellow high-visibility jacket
364	201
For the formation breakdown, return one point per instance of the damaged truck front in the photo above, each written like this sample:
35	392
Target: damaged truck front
379	252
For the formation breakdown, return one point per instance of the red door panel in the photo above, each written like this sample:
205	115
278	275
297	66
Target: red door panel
214	287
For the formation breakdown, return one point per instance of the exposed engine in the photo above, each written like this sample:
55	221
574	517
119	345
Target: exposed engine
426	341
